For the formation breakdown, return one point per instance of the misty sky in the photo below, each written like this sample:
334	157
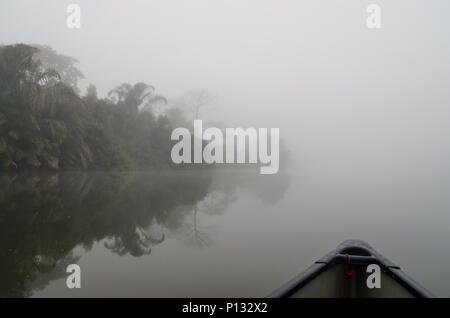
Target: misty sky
365	113
344	97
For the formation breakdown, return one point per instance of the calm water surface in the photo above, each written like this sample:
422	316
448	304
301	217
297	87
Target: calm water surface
204	233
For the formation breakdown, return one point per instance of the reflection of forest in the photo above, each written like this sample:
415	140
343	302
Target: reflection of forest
44	217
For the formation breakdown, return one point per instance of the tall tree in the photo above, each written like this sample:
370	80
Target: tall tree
63	64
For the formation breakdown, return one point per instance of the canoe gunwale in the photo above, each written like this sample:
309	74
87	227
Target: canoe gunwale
355	252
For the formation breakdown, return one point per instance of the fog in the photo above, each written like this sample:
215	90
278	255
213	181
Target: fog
348	100
288	64
364	113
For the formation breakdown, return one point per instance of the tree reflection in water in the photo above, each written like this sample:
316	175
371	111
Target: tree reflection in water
44	217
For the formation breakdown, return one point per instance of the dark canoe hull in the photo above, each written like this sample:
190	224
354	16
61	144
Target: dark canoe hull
342	273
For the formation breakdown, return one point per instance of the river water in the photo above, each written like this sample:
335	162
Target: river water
207	232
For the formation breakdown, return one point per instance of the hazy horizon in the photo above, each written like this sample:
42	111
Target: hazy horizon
364	113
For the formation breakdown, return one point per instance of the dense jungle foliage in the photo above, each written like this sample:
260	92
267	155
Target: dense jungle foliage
45	124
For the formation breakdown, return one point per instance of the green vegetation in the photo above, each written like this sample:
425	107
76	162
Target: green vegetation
45	124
